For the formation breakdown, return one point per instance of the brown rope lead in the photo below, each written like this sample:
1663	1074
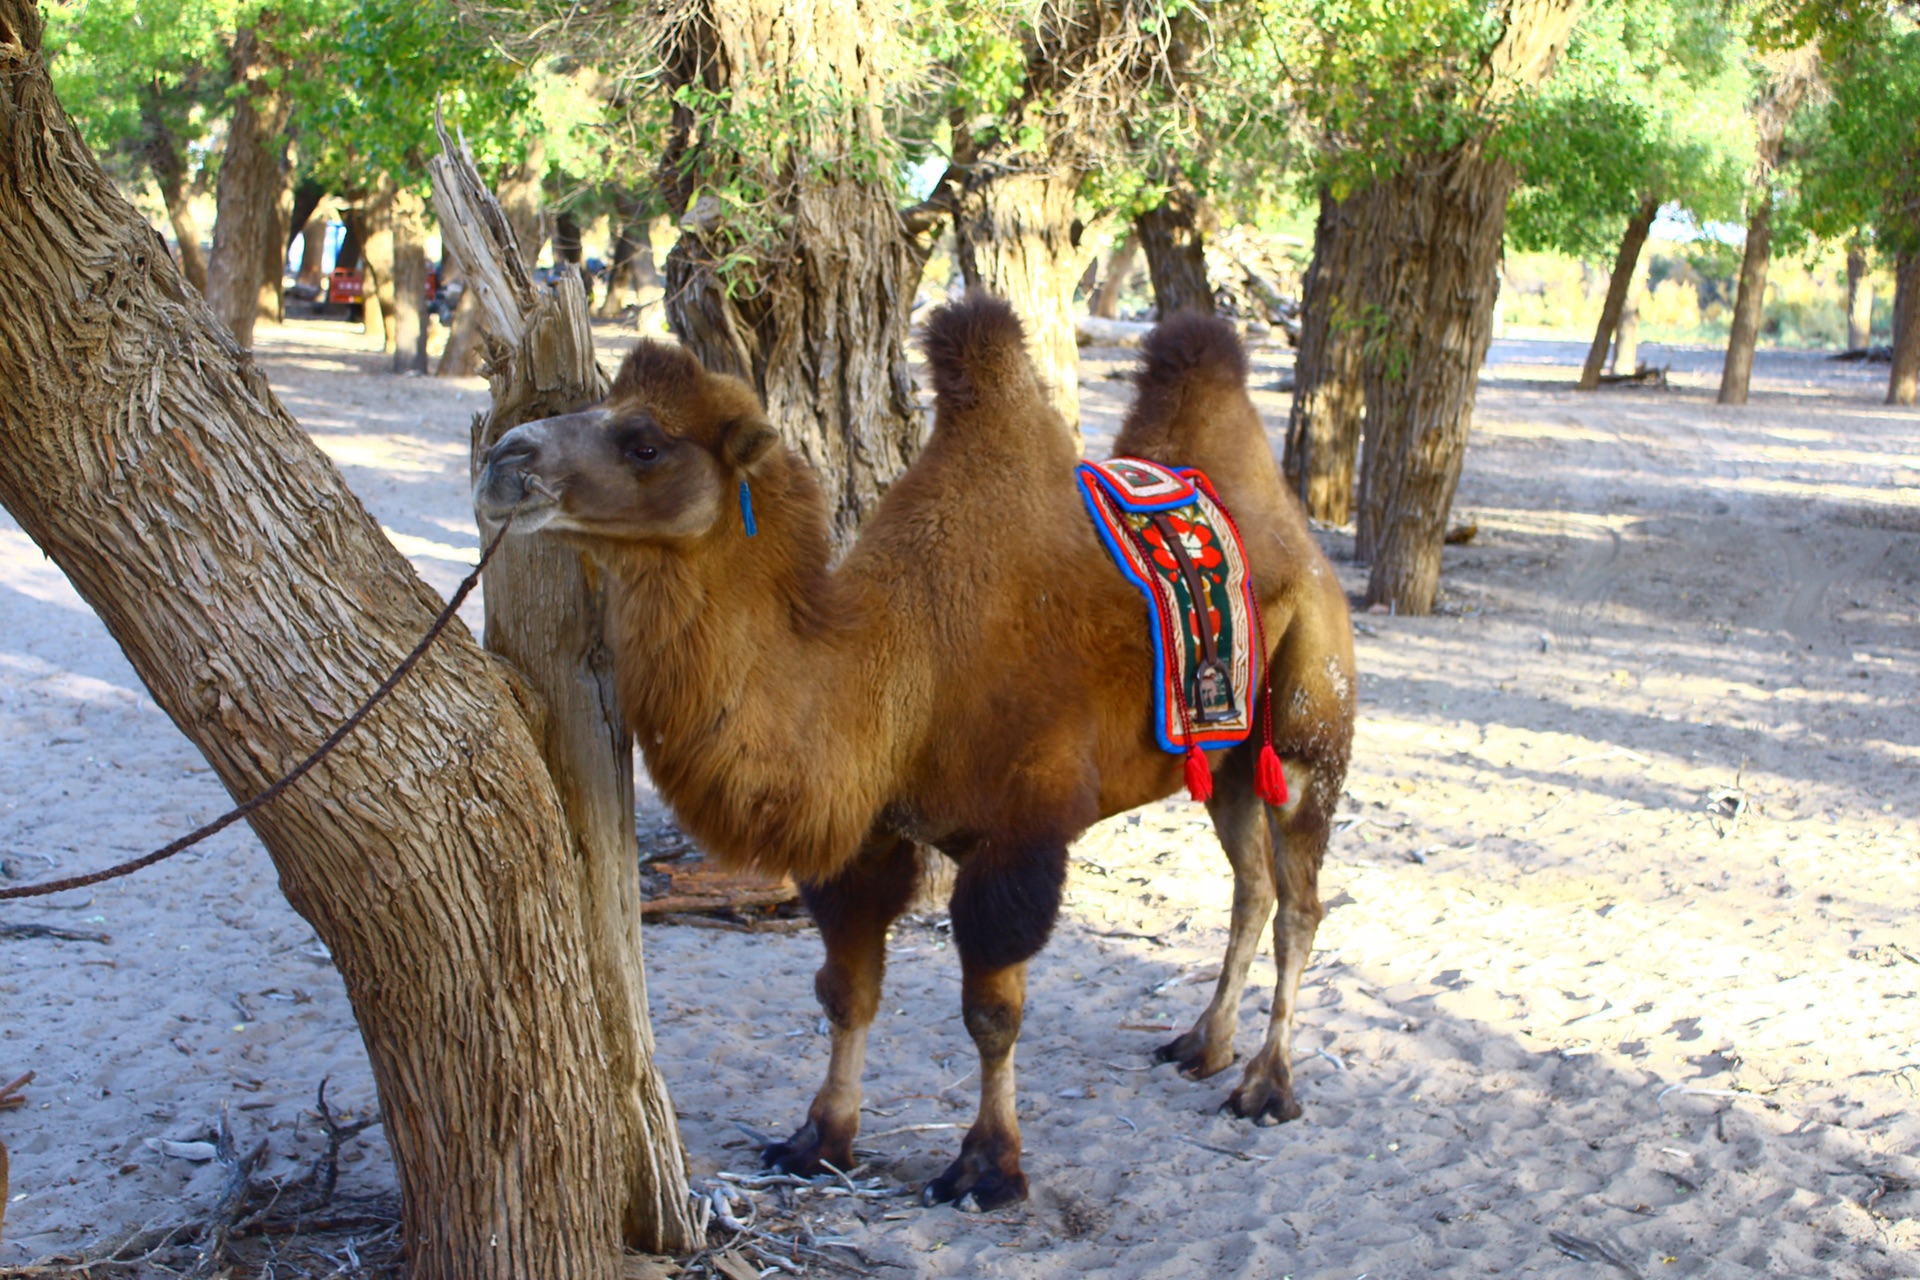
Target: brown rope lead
294	775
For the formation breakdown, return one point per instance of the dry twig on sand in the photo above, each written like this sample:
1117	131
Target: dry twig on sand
8	930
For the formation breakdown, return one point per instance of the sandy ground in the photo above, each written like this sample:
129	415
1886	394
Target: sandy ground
1558	993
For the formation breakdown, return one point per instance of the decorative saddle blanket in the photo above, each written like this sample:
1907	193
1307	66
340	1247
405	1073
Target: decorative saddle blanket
1172	538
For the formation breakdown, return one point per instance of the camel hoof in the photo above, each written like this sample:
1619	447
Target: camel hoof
1263	1103
1195	1056
986	1189
806	1153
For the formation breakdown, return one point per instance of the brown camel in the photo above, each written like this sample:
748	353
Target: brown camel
974	676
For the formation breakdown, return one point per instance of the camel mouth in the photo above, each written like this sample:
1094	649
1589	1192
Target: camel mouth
506	492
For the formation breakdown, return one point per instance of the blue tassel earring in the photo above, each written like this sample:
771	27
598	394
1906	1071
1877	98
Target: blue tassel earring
746	508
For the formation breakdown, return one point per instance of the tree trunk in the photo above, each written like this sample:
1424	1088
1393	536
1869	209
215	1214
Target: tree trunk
632	268
313	251
465	338
1432	242
566	240
376	248
1176	254
1323	429
820	326
271	302
1737	373
1859	300
248	195
1903	379
1432	238
1015	239
1790	78
523	201
545	616
162	152
1619	285
430	851
1105	303
409	282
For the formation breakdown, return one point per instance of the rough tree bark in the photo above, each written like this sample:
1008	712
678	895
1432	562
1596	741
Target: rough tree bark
141	448
632	269
819	323
1323	428
1016	237
409	224
545	616
1625	264
1790	79
1859	299
1172	237
162	152
1105	303
248	193
1903	379
1432	236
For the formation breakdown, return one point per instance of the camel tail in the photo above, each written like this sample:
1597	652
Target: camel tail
977	350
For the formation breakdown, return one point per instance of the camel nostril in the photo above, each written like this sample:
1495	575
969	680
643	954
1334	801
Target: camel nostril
511	453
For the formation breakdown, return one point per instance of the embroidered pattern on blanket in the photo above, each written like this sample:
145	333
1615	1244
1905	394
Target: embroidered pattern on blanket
1136	506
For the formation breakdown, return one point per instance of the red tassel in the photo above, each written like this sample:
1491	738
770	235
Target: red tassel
1199	776
1269	779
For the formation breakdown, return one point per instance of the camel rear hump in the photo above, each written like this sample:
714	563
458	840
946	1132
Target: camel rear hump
1191	408
977	356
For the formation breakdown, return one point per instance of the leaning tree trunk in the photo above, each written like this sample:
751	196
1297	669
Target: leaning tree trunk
1323	428
1176	253
409	282
162	150
1737	374
1859	299
1625	264
1903	380
141	448
818	324
1791	78
1015	233
546	616
1105	302
248	194
1626	337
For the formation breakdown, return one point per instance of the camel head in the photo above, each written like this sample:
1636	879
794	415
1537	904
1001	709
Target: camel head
661	460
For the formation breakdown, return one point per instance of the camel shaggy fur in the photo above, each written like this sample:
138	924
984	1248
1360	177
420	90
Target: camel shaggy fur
974	676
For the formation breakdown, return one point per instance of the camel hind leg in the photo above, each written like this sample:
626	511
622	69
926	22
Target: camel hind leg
854	911
1240	820
1313	732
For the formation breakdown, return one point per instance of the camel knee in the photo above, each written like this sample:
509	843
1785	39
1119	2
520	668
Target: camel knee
1004	904
849	999
994	1026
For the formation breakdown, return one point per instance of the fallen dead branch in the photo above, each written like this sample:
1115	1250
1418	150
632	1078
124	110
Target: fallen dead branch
22	931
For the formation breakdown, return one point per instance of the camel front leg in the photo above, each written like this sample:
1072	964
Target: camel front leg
1005	900
854	911
988	1167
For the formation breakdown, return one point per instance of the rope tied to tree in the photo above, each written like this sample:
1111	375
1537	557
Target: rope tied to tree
293	775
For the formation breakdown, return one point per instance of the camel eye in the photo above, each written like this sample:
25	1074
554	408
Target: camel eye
643	453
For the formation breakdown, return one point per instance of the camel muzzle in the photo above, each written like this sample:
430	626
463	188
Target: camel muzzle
510	484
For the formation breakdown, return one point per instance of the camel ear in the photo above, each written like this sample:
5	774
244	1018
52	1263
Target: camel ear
745	441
